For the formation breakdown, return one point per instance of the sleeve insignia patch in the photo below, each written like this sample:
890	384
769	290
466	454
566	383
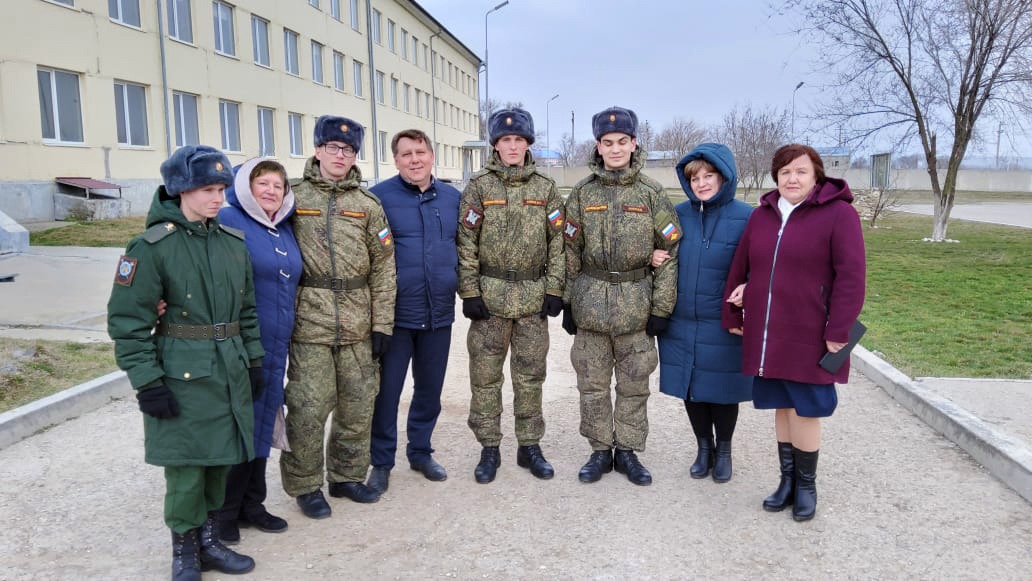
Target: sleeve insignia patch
572	230
496	202
472	218
671	232
533	202
352	214
385	237
308	212
556	218
597	208
126	271
642	209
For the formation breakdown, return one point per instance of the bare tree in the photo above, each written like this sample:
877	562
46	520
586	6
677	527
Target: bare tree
584	152
753	135
567	149
927	69
646	135
680	137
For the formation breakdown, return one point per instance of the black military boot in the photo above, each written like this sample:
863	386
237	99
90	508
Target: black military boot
186	563
356	491
626	462
722	462
229	530
806	485
600	462
215	555
486	469
532	458
703	459
785	493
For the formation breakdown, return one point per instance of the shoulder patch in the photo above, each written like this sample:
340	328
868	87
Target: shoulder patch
233	231
584	181
482	172
555	218
126	270
540	173
385	237
158	231
370	195
296	182
472	217
656	187
572	230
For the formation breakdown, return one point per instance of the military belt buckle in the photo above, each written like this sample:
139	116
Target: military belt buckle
614	277
220	332
511	275
336	284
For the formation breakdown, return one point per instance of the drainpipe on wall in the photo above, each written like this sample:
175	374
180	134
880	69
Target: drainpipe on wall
164	78
433	94
372	91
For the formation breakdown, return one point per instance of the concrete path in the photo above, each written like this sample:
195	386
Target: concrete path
1009	214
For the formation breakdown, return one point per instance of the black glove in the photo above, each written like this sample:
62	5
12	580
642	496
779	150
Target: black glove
158	402
474	309
568	325
381	344
552	306
257	382
656	326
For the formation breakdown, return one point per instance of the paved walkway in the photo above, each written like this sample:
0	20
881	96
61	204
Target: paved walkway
1009	214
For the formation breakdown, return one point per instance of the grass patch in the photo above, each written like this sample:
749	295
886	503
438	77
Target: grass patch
945	309
30	370
116	233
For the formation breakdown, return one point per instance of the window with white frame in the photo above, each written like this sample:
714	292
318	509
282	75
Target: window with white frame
180	26
383	145
65	2
229	123
266	135
357	81
419	103
60	107
405	90
335	9
415	50
427	108
376	27
338	71
404	44
317	65
313	3
379	87
360	155
394	92
184	106
125	11
426	57
260	34
223	15
354	15
131	114
290	52
294	127
391	31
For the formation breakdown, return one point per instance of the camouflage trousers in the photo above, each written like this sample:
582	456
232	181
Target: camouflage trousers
323	379
487	342
594	357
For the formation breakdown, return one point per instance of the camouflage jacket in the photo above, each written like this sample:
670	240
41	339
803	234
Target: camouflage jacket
510	221
342	231
614	220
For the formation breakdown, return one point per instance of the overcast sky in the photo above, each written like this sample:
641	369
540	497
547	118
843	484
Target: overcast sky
661	58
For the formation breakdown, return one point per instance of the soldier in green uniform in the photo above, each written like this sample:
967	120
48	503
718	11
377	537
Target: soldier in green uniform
511	277
345	316
614	302
196	374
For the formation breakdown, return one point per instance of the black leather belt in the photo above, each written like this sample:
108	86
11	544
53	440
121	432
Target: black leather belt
216	332
512	275
335	284
617	277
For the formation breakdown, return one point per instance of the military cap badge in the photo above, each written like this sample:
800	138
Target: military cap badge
218	166
612	118
508	120
170	226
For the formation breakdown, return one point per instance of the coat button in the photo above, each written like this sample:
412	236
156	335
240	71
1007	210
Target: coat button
185	314
189	296
186	375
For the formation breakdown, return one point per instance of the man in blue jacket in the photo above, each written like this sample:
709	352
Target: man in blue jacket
423	214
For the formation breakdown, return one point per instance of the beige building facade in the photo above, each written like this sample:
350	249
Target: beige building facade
108	88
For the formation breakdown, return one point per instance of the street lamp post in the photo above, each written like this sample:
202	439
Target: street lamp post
486	14
793	109
548	140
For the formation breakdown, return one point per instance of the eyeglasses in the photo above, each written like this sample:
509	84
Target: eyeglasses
334	149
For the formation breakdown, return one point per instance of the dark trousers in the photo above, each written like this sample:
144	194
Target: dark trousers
427	351
245	490
707	417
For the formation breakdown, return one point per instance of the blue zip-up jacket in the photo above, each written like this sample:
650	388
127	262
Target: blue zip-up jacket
424	225
698	359
276	261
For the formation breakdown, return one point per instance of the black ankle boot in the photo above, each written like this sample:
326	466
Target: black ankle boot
806	485
530	457
215	555
703	459
186	563
486	469
600	462
626	462
785	493
722	462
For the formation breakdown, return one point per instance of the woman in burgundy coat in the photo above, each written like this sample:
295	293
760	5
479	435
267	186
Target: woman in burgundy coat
795	287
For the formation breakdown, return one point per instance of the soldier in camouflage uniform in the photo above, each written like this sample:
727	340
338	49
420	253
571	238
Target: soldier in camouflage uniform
614	302
511	277
345	314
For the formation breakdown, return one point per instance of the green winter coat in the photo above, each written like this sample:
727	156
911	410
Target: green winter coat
614	220
203	272
511	218
342	231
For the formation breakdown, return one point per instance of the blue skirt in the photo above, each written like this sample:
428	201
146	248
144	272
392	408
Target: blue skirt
810	400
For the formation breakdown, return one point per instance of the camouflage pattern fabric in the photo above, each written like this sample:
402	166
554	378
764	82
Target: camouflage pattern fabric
488	342
594	357
343	380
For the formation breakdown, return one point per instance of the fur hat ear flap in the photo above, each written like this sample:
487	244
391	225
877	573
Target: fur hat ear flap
514	121
195	166
332	128
614	120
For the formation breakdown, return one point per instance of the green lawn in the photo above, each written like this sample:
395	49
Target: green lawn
36	369
116	233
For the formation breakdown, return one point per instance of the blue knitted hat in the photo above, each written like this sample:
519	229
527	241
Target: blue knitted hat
195	166
513	121
614	120
332	128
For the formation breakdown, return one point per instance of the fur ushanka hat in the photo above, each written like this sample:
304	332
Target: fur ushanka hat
195	166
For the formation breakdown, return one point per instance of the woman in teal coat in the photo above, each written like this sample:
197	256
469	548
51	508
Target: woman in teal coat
196	372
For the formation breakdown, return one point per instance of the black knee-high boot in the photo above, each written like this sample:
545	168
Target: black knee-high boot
806	485
785	493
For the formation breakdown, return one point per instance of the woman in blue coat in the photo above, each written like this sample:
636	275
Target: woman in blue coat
699	361
260	203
